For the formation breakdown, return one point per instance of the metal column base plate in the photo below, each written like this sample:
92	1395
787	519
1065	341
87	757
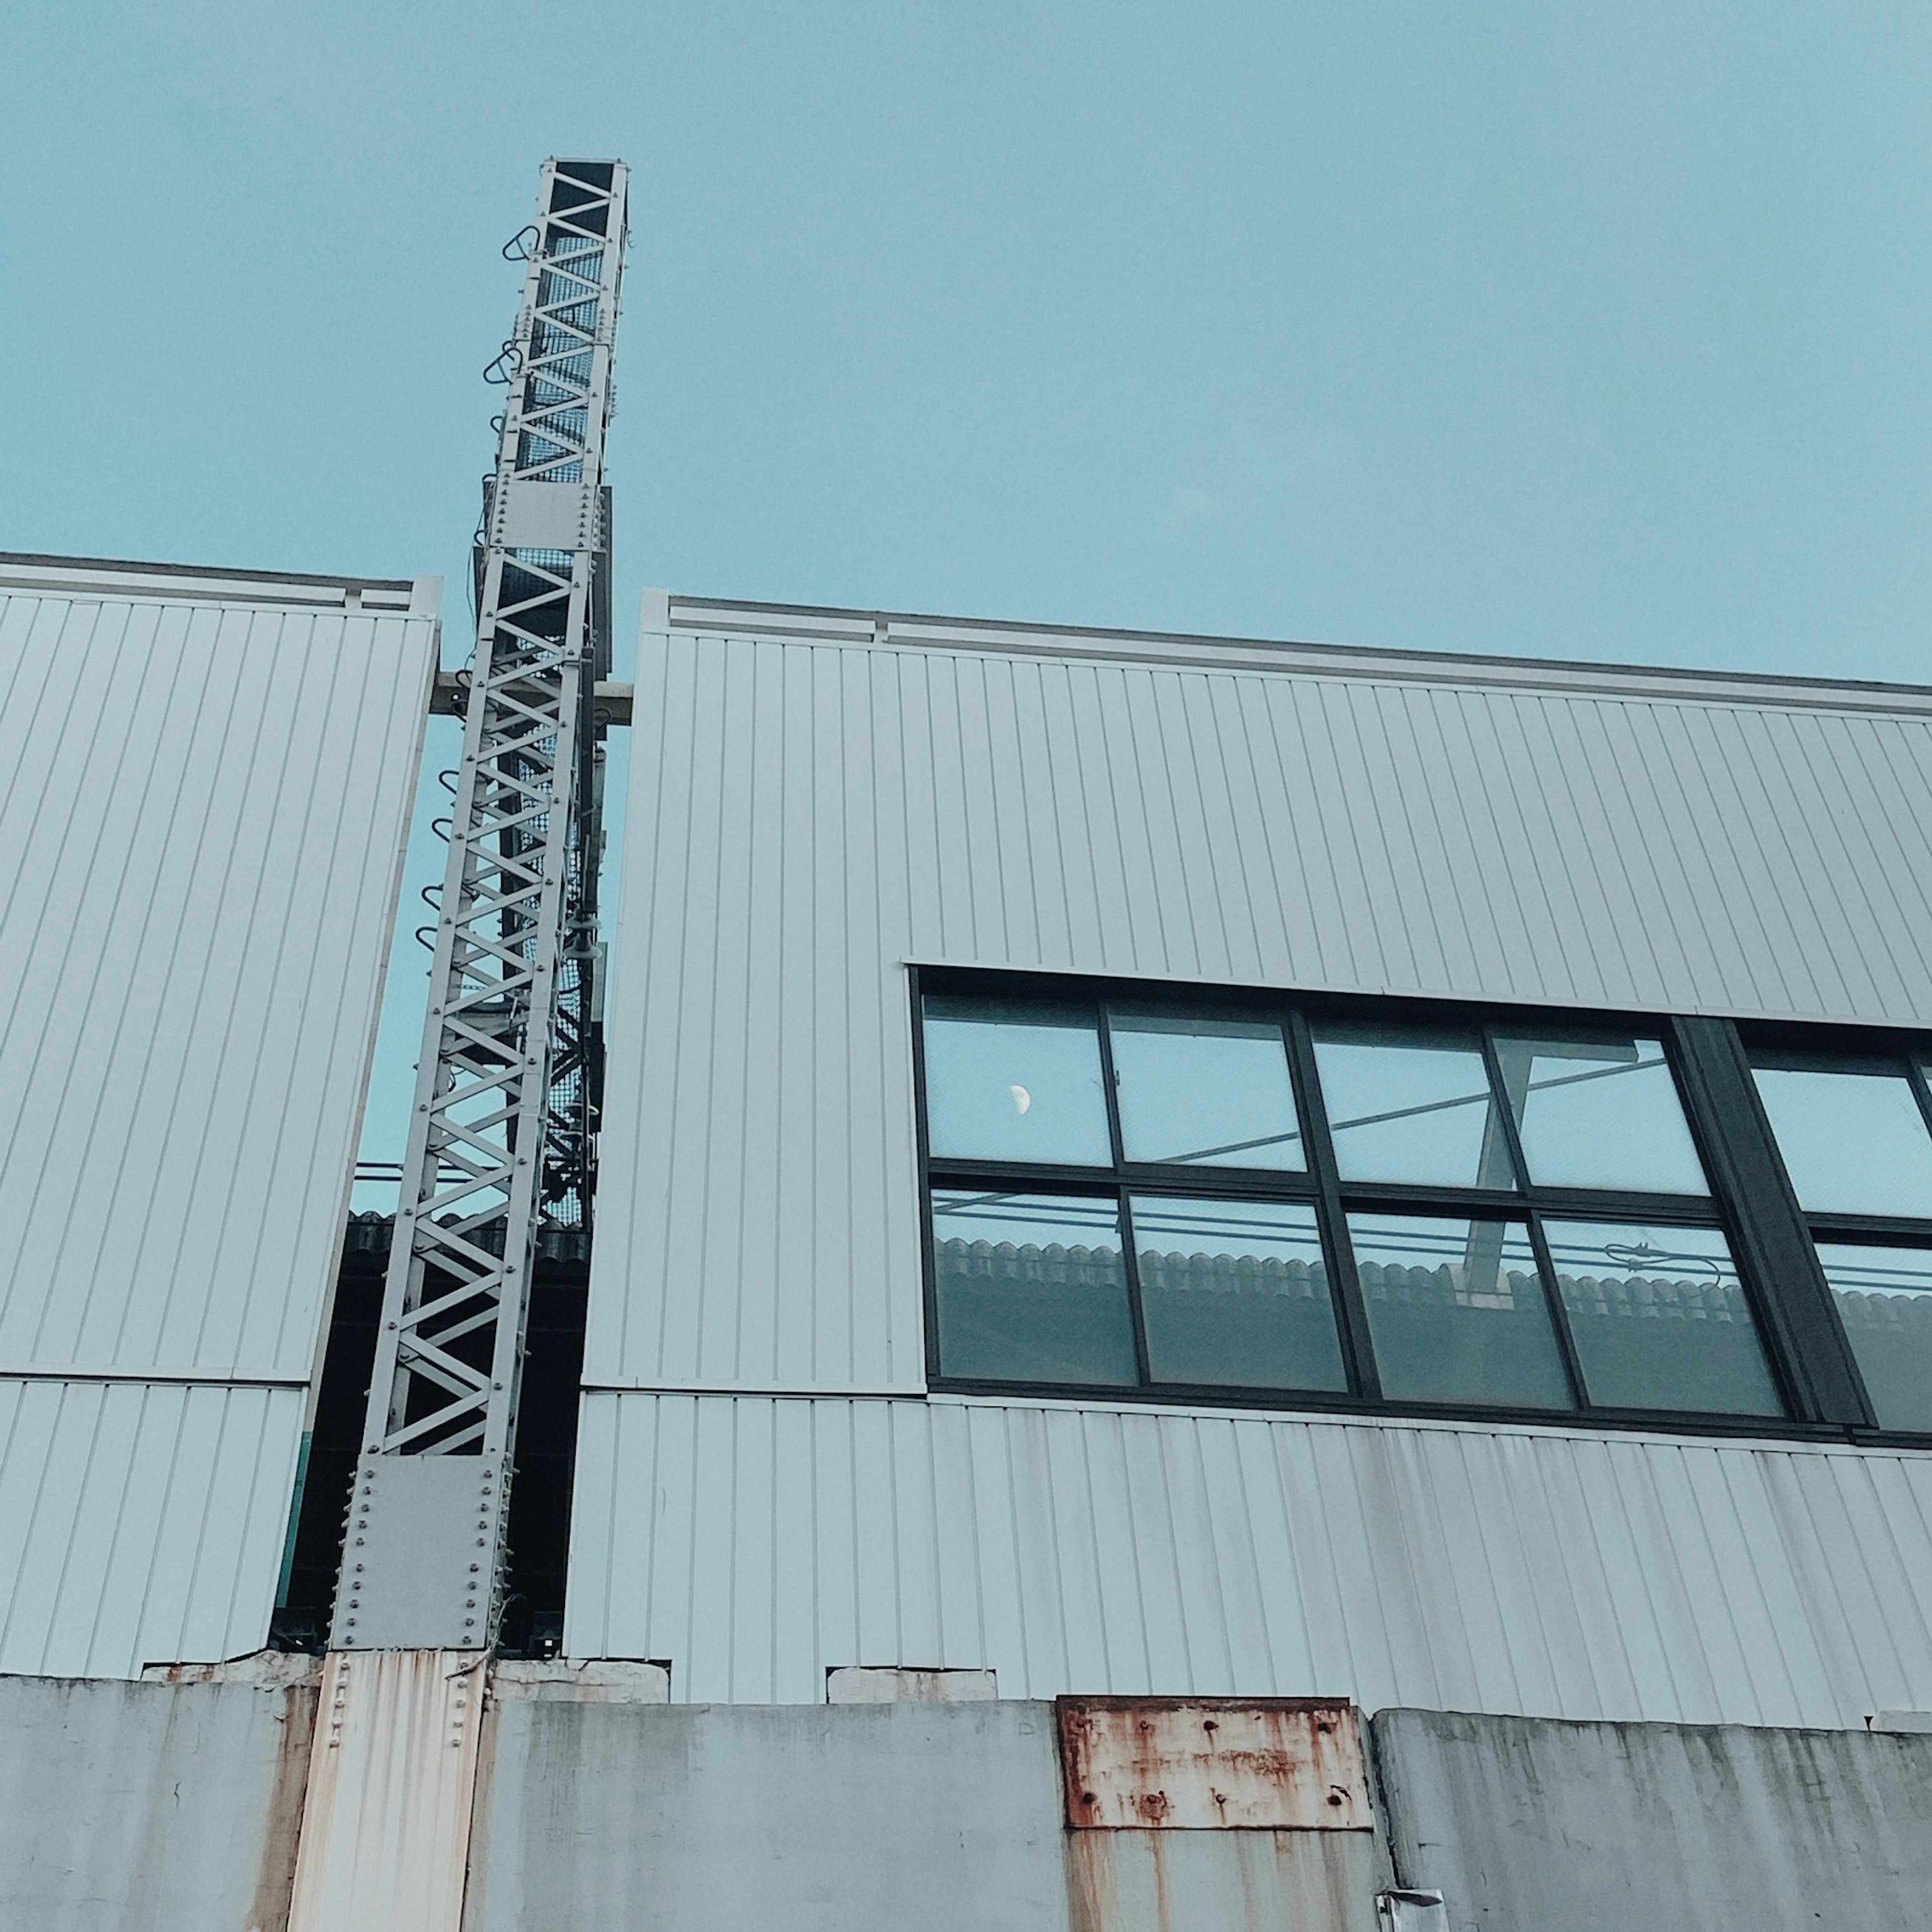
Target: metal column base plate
418	1561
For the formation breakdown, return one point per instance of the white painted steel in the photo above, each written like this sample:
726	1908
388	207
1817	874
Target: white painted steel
502	1135
812	808
204	820
391	1784
757	1542
140	1523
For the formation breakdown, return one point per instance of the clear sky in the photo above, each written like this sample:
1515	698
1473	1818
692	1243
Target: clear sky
1591	328
1588	329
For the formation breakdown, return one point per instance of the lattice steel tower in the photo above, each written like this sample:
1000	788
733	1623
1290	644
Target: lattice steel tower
502	1139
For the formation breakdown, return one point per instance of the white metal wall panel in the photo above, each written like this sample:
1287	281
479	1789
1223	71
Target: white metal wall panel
139	1522
203	821
806	815
758	1541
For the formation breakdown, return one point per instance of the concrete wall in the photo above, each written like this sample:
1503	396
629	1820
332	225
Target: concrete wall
149	1807
853	1818
1538	1827
175	1806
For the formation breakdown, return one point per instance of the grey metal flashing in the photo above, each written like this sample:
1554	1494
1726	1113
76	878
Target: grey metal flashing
198	1377
911	631
114	576
1502	1000
610	699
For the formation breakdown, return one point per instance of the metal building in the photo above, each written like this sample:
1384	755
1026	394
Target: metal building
209	781
1352	1493
776	1476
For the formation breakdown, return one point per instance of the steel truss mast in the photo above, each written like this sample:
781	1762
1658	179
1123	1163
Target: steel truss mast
502	1135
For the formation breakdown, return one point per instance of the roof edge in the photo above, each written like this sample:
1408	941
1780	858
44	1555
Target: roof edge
96	576
831	623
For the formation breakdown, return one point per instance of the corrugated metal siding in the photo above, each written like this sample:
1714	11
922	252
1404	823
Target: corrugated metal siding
139	1522
806	816
757	1542
203	820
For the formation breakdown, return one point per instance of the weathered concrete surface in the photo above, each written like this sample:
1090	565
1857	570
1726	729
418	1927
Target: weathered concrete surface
907	1816
1232	1881
748	1818
1529	1825
149	1807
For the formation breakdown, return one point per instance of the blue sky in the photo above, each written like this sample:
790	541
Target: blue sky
1592	330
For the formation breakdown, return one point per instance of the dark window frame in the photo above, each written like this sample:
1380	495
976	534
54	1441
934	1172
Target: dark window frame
1751	1202
1844	1050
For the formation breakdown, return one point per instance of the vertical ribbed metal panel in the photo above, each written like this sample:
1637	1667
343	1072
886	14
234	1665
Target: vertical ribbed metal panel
203	818
807	816
757	1542
139	1522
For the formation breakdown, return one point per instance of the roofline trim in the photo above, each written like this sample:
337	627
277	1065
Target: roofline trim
901	629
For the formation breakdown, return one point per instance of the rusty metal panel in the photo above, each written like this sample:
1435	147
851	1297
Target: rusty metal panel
1205	1764
391	1784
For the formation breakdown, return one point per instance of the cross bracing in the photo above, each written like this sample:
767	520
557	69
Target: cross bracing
503	1132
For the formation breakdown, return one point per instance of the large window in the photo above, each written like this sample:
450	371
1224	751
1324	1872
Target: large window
1853	1130
1228	1197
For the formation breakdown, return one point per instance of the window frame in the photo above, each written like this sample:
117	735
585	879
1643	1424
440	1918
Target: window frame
1845	1050
1750	1202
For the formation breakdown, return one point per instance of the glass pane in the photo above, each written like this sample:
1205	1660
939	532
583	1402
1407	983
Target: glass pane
1032	1288
1235	1293
1456	1311
1853	1143
1885	1297
1599	1114
1406	1105
1212	1091
1014	1082
1659	1319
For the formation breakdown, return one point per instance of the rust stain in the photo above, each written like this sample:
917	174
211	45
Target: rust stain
1093	1891
1208	1763
275	1870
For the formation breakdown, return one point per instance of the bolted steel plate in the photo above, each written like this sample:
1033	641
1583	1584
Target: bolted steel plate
1193	1764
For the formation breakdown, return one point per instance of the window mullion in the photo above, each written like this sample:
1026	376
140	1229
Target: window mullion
1500	1099
1559	1314
1344	1286
1780	1267
1130	1260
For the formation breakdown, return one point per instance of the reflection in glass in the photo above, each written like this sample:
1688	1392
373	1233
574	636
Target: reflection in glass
1212	1091
1014	1082
1884	1297
1031	1287
1659	1319
1456	1311
1408	1106
1599	1114
1235	1293
1853	1143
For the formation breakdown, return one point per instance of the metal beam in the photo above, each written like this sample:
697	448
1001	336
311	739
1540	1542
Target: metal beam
502	1135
